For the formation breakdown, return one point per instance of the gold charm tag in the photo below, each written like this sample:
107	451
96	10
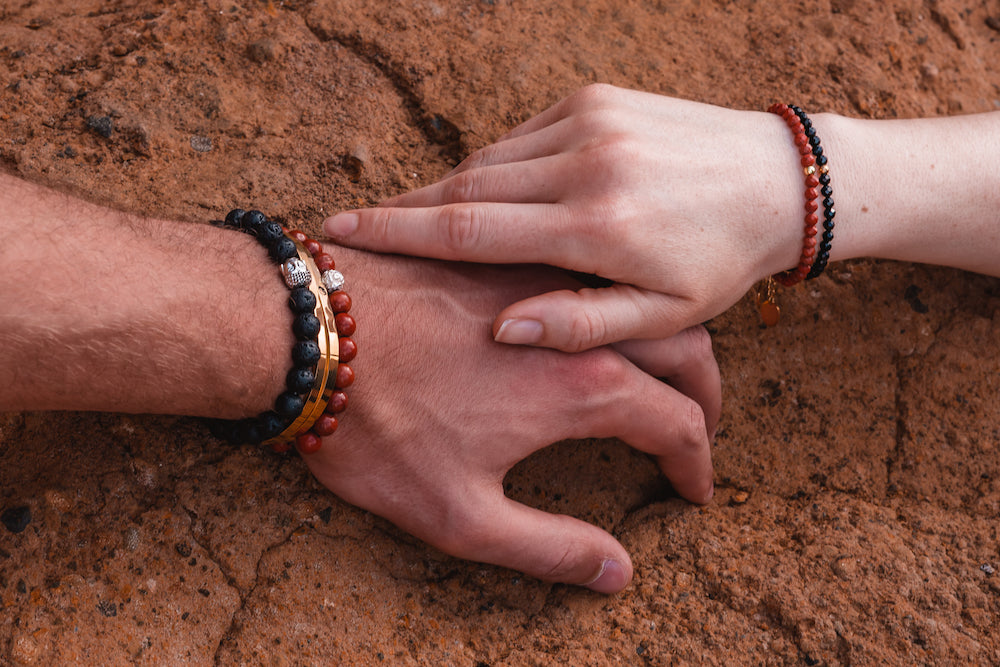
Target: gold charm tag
767	304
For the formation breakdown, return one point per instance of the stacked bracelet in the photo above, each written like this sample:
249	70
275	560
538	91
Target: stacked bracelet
817	181
307	410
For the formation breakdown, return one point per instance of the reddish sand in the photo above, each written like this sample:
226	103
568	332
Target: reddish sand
856	520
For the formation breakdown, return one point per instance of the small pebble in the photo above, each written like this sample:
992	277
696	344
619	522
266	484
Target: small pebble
16	519
740	497
201	144
101	125
987	568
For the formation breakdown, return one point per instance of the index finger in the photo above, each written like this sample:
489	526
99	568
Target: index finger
497	233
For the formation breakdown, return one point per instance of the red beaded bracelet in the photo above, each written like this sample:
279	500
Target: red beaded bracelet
808	161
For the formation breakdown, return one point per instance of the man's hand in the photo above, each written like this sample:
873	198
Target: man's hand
440	413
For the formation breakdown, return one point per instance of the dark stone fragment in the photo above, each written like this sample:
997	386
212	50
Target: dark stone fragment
912	296
21	587
301	300
325	515
204	592
183	548
101	125
107	608
306	353
16	519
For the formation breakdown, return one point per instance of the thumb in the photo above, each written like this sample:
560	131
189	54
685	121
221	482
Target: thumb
551	547
587	318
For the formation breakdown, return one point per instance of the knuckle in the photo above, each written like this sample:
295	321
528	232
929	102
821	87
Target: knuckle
462	229
561	565
599	373
696	347
594	94
692	425
587	329
462	187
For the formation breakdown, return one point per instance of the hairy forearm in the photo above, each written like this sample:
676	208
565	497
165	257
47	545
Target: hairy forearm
916	190
103	310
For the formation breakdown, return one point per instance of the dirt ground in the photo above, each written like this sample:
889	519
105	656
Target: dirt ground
857	466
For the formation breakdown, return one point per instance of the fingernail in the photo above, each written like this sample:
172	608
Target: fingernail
341	225
519	332
610	579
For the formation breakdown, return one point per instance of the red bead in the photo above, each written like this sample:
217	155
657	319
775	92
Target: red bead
299	236
812	181
809	243
811	220
345	376
340	302
324	262
281	447
346	325
804	150
349	349
308	443
808	160
325	425
811	231
811	206
337	403
800	139
314	247
811	193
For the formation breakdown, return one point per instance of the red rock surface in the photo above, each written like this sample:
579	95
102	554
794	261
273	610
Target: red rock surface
856	520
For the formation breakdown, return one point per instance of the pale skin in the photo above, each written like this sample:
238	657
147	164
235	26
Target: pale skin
685	206
108	311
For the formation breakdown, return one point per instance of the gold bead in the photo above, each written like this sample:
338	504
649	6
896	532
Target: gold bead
810	170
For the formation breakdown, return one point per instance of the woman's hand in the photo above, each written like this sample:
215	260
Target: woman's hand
440	413
683	205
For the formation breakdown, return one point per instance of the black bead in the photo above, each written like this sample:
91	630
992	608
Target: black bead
289	405
252	221
824	179
249	431
301	300
820	159
829	215
269	232
271	424
827	204
828	236
826	191
235	217
810	131
300	380
306	326
813	140
306	353
824	246
282	249
818	152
